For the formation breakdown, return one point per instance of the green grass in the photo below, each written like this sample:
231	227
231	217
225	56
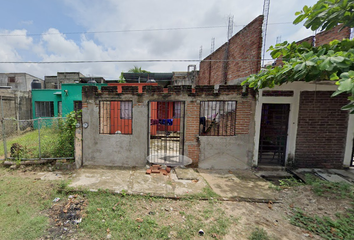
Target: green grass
24	204
29	141
339	228
120	213
21	203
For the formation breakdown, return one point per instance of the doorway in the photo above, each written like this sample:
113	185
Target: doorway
166	133
273	134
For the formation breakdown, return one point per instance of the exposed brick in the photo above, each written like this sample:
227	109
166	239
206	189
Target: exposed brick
322	129
244	52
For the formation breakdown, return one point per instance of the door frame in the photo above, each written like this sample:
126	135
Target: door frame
293	102
182	124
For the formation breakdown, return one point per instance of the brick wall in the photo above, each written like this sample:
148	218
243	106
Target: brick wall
245	46
327	36
322	130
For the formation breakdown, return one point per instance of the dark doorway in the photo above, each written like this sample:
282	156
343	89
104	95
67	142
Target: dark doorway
273	134
166	133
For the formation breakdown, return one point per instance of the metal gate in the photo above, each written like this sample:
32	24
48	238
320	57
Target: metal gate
273	134
166	133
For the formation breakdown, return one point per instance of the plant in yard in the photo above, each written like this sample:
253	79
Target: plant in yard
259	234
66	142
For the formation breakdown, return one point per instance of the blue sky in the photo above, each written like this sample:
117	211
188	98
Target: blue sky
43	27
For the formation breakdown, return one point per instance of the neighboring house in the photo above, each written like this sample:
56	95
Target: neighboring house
18	81
162	79
55	82
48	103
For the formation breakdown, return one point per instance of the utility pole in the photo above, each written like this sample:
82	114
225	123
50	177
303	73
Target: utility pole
264	27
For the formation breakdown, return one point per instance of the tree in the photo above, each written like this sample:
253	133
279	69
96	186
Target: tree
136	69
304	62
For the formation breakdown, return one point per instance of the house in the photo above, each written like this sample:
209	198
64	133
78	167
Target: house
299	124
213	127
219	124
49	103
55	82
19	81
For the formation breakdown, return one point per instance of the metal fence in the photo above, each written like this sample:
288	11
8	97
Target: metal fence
35	139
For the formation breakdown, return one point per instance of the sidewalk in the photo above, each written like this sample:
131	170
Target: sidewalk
239	185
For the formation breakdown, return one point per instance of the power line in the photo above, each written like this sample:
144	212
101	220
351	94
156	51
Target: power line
129	30
132	61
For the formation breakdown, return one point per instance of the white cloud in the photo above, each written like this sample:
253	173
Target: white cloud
111	15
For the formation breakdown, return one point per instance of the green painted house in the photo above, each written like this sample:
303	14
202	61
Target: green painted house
49	103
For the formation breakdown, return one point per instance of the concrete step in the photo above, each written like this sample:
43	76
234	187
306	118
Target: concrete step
270	168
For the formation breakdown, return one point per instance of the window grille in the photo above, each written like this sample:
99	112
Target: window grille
44	109
217	118
11	79
116	117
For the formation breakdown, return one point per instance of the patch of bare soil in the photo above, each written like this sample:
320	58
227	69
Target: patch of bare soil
65	217
275	218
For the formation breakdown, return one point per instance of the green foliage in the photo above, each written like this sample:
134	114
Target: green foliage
341	228
259	234
137	69
303	62
326	14
65	146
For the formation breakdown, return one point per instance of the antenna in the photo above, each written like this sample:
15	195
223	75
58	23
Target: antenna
230	27
200	53
212	45
265	26
278	40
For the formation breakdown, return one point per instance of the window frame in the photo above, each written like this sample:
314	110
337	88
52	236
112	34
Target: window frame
105	118
48	109
218	118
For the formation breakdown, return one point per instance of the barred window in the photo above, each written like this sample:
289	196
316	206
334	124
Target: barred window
116	117
44	109
217	118
11	79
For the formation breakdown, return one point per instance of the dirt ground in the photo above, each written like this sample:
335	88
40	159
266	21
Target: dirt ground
66	215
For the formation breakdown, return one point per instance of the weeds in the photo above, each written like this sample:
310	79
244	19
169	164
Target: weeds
341	228
259	234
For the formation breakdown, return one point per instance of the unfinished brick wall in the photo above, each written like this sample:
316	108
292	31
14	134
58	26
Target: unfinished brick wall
322	130
244	53
327	36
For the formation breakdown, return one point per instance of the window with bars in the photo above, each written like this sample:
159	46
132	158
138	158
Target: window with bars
116	117
44	109
217	118
11	79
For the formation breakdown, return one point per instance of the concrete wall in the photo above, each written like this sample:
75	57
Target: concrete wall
131	150
22	81
54	82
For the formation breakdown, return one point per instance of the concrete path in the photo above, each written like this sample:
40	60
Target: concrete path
242	184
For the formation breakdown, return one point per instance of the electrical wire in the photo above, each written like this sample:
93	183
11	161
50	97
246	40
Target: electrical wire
127	30
131	61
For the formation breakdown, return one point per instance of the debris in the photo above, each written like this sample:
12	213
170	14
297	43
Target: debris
214	235
151	213
56	199
201	232
99	209
270	204
139	220
168	169
148	171
18	212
